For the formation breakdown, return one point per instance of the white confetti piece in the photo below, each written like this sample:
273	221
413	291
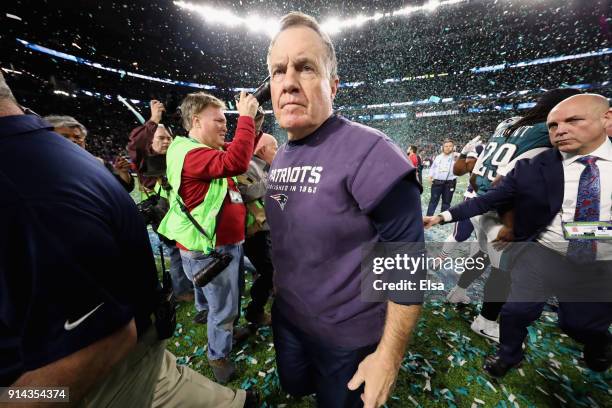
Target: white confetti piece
521	372
14	17
481	402
541	390
416	404
261	374
491	386
559	398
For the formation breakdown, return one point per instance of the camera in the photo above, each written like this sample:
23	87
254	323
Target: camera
213	269
153	210
262	93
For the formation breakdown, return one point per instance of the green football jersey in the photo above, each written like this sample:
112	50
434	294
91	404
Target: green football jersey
501	150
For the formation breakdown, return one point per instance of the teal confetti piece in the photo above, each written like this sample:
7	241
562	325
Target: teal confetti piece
533	335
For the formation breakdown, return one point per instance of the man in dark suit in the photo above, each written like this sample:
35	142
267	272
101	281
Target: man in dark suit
558	197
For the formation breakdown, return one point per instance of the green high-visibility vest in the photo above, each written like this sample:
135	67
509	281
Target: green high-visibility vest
175	225
157	189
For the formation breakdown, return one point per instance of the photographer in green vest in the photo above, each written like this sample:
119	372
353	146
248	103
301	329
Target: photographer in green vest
207	215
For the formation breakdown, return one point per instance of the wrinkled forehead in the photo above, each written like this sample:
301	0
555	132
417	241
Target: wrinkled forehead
568	109
295	43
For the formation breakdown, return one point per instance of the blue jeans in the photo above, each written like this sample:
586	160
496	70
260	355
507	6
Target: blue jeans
180	282
222	296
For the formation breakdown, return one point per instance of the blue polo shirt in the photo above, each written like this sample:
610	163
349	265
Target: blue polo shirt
75	261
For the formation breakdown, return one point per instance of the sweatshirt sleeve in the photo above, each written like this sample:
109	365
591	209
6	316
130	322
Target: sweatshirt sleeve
207	164
139	145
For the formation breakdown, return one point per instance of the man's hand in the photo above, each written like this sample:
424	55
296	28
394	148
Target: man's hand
157	109
430	179
379	375
505	236
429	222
497	180
122	167
259	119
247	105
470	146
379	369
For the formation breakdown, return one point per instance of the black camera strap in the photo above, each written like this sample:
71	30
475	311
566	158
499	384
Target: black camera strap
193	220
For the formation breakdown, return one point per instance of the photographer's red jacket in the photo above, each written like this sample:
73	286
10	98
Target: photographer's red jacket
203	164
139	148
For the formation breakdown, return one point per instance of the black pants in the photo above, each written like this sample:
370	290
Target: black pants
470	275
496	289
584	293
257	248
307	366
444	189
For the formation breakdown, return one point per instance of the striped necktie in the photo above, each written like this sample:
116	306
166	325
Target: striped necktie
587	209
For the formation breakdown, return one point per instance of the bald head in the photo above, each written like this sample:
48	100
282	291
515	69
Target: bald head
578	124
266	148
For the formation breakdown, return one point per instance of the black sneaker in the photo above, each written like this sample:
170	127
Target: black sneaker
201	317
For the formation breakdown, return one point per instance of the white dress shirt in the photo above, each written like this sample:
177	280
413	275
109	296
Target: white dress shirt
442	167
553	237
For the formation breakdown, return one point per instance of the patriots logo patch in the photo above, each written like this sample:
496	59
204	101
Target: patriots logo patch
281	199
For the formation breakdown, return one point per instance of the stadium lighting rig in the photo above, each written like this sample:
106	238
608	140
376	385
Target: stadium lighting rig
356	84
270	25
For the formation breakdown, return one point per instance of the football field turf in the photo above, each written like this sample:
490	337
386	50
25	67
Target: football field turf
442	366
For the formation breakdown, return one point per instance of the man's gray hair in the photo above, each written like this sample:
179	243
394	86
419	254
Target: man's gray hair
195	103
5	91
58	121
297	19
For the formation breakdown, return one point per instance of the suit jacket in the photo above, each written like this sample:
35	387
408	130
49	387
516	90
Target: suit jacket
534	188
